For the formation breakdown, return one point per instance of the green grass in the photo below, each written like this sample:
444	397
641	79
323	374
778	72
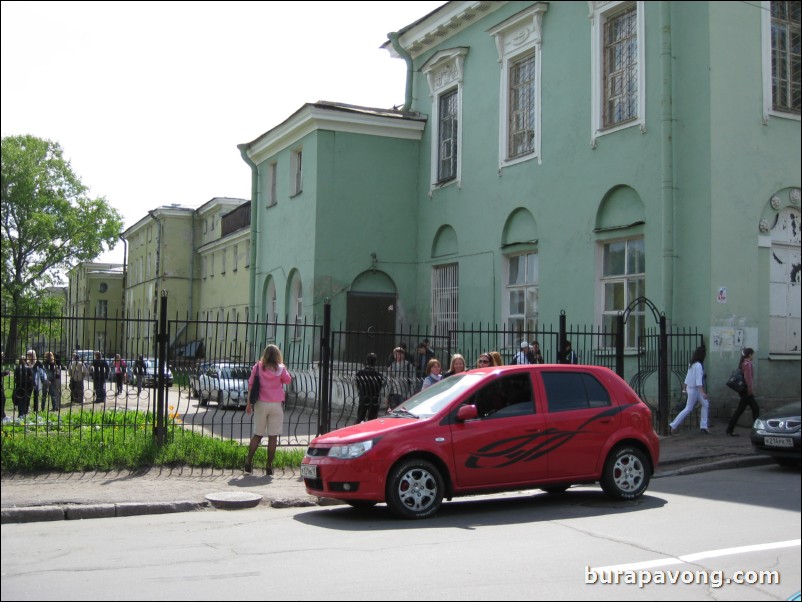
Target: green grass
112	440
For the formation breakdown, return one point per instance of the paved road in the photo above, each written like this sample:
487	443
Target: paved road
514	546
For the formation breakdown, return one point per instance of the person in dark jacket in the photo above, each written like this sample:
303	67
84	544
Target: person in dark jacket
23	386
100	374
369	384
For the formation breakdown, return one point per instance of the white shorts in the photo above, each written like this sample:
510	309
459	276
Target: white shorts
268	418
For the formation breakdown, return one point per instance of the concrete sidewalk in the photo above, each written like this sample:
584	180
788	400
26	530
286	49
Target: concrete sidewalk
59	496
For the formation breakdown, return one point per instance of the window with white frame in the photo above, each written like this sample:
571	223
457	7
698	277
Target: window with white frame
521	293
223	261
618	66
297	305
781	58
235	258
445	297
102	309
518	41
623	279
271	183
272	310
211	264
447	129
444	73
296	170
784	279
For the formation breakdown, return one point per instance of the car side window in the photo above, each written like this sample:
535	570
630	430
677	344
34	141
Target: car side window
574	391
505	397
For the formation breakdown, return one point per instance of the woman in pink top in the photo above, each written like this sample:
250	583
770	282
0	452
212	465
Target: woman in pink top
748	396
268	412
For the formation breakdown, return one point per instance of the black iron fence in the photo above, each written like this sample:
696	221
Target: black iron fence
195	380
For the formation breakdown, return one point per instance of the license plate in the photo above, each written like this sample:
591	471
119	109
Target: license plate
778	441
308	471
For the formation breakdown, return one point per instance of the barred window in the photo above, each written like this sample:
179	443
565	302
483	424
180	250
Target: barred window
785	56
447	136
445	297
620	67
522	107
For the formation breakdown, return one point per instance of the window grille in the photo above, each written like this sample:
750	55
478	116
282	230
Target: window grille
447	136
621	67
522	107
445	298
785	56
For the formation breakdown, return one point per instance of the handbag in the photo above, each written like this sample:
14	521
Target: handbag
253	394
736	381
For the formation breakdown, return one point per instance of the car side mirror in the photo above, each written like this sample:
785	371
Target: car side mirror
467	412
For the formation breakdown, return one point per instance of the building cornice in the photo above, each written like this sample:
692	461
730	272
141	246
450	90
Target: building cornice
336	117
439	25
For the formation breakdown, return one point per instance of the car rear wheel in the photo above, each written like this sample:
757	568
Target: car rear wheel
415	489
626	473
220	403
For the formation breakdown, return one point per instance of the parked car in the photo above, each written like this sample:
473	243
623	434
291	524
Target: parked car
150	378
194	378
777	434
226	383
492	429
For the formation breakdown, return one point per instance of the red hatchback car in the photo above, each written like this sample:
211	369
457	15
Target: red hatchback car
493	429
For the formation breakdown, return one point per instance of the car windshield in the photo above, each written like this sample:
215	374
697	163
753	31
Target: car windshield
429	402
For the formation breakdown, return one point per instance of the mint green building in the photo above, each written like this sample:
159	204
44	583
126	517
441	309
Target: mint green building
554	156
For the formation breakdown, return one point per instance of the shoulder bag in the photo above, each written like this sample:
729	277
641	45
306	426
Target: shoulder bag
253	394
736	381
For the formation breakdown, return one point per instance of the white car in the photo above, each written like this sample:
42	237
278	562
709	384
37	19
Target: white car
226	383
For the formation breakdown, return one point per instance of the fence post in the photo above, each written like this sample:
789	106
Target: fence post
662	379
324	419
619	345
563	339
159	425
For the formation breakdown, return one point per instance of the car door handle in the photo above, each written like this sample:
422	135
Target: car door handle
536	429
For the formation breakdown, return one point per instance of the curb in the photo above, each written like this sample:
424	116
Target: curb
739	462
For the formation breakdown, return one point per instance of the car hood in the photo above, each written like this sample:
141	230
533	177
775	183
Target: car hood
363	431
793	409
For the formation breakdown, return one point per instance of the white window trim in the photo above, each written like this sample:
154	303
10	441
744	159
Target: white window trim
444	72
296	171
768	99
506	287
598	13
515	37
272	171
601	279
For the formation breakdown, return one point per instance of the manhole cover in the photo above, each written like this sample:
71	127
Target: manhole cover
231	500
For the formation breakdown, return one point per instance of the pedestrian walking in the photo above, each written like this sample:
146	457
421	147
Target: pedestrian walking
695	388
748	395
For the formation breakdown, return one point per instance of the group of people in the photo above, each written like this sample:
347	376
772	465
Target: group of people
41	381
407	373
38	379
694	387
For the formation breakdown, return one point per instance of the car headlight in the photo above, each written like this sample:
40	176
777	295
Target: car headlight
759	425
346	452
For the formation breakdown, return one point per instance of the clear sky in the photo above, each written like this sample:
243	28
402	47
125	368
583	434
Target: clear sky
149	99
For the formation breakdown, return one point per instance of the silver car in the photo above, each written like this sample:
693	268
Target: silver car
226	383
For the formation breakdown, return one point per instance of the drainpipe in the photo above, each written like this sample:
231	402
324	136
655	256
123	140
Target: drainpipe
243	149
393	37
667	148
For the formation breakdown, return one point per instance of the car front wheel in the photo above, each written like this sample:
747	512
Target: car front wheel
415	489
626	473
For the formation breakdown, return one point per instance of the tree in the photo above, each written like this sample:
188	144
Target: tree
49	224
